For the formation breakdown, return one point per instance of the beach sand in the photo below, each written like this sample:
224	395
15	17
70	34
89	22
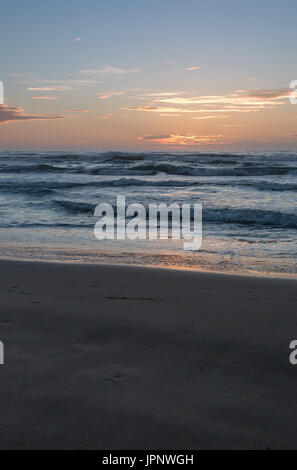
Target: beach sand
114	357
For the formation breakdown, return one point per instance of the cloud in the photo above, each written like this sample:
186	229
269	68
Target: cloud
161	93
211	116
8	114
141	108
22	75
266	95
183	140
35	83
46	98
233	125
107	70
240	98
106	96
241	101
155	137
51	88
194	67
72	82
169	114
77	39
159	109
77	111
105	116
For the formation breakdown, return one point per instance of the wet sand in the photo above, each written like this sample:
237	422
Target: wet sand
114	357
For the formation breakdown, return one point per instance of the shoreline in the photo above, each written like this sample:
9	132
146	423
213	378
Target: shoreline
117	357
181	268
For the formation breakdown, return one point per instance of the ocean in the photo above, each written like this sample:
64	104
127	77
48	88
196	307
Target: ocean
248	199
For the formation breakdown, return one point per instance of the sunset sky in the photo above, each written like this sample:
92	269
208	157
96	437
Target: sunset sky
133	74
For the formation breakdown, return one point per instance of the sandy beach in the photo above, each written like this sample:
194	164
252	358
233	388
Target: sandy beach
114	357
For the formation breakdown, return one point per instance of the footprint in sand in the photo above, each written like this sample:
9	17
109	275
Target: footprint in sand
118	376
115	378
130	298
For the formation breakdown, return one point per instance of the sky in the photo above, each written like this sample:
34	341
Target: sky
138	75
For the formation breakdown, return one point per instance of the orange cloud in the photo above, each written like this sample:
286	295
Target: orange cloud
266	94
241	101
162	93
17	114
77	111
106	96
183	140
107	70
211	116
46	98
51	88
159	109
105	116
190	69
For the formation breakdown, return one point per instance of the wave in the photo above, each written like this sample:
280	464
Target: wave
270	186
74	207
172	169
124	157
31	168
45	187
250	216
226	215
261	185
114	155
52	225
121	164
36	188
155	183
